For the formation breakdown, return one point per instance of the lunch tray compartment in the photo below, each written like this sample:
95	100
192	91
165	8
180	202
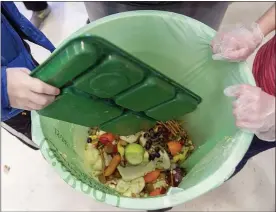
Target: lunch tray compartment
101	85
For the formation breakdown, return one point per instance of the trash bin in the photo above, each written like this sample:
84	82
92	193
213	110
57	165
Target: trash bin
179	47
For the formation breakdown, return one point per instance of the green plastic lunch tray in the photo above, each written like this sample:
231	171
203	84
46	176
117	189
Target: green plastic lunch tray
102	85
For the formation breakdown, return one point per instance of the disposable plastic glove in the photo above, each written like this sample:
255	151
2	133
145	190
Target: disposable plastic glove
237	44
254	110
26	92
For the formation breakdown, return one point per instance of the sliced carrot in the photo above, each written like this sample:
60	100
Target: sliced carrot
157	192
152	176
174	147
112	166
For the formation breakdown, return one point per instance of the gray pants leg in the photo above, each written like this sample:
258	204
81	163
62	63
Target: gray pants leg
210	13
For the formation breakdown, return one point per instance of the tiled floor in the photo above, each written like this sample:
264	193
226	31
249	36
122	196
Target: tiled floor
32	185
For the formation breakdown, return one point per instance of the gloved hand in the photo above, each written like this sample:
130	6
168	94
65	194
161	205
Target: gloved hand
254	110
238	44
26	92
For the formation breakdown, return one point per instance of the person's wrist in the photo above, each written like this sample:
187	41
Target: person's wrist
264	27
258	33
267	21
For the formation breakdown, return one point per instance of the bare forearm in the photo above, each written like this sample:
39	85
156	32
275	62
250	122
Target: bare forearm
267	21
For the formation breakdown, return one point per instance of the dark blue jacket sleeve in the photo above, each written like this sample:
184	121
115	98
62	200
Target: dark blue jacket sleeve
5	109
31	32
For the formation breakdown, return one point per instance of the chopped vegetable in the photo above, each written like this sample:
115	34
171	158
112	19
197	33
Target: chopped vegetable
133	187
162	176
120	148
131	138
164	161
117	174
191	148
128	194
102	159
113	165
95	143
143	140
102	178
112	183
93	137
109	148
146	157
157	192
99	133
106	138
115	149
132	172
98	166
96	173
123	143
175	176
89	146
178	157
160	184
134	153
137	185
178	175
149	187
122	186
174	147
152	176
91	155
185	152
107	159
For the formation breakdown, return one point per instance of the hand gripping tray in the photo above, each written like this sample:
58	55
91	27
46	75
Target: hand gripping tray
102	85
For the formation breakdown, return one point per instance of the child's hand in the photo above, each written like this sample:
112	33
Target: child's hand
26	92
254	110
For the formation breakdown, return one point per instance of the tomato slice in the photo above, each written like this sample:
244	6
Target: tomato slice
106	138
174	147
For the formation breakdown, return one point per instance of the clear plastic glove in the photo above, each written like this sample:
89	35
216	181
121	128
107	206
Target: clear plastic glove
26	92
254	110
237	44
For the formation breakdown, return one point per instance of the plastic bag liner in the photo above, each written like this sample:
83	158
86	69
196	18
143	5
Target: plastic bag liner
177	46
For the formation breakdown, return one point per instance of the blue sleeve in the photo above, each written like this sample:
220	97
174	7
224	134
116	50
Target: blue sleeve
31	32
7	111
5	108
35	35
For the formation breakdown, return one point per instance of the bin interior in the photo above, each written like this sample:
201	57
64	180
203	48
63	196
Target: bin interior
178	47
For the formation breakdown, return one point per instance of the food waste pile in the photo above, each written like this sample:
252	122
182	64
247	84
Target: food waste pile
141	165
